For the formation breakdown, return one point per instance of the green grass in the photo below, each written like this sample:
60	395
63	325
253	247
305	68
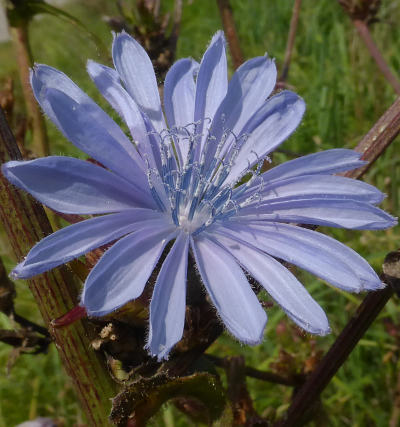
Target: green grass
345	94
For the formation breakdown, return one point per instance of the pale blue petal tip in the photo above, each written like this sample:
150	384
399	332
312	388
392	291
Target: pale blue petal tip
18	272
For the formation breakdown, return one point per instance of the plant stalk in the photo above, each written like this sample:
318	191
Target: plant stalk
375	142
228	23
260	375
366	313
55	292
290	42
365	34
20	36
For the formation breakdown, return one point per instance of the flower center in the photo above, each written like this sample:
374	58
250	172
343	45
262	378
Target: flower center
187	172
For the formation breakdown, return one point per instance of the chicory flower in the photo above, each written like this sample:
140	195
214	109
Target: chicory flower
192	176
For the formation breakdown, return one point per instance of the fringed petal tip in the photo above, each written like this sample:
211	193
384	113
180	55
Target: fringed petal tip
17	272
378	286
248	340
9	174
314	330
90	63
324	332
218	36
37	68
320	328
372	285
6	166
319	332
34	68
162	354
388	221
120	33
25	271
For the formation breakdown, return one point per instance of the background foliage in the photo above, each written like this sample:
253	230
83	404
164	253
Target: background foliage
345	94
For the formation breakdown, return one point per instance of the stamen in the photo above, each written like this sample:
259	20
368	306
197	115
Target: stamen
194	189
153	191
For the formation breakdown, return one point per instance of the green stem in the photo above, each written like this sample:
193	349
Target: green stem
56	292
20	36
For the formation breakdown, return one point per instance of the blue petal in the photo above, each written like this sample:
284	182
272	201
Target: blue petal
229	291
312	251
211	84
86	125
168	304
248	90
122	272
332	213
136	71
324	162
74	186
179	96
270	125
315	186
108	82
283	287
78	239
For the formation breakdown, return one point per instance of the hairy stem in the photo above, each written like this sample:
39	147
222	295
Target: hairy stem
56	292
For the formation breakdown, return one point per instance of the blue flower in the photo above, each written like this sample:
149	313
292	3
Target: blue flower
184	184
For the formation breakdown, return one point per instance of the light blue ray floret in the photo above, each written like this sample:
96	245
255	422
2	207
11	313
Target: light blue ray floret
191	174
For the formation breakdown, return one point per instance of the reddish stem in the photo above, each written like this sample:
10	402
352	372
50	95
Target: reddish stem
336	356
290	42
381	135
77	313
375	142
365	34
228	22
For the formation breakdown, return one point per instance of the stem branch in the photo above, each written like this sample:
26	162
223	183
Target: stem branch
365	34
367	312
290	42
256	373
375	142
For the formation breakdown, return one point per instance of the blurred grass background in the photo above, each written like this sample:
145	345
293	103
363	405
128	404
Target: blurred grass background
345	94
